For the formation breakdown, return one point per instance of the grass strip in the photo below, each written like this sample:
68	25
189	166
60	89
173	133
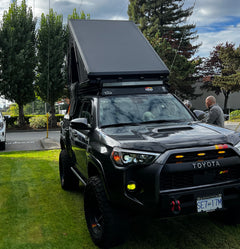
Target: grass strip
36	213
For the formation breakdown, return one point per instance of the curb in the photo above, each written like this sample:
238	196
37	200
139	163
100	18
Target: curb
49	144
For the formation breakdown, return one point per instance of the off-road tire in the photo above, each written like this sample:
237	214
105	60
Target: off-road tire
107	226
68	180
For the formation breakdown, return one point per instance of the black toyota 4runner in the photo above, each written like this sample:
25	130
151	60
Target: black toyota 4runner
138	150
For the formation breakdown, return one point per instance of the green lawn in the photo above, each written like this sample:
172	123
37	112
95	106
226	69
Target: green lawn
36	213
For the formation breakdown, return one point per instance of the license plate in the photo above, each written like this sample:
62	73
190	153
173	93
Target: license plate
209	204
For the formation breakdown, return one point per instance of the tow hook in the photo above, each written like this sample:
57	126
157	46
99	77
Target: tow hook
175	207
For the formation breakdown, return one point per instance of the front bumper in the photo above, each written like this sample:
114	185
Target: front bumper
163	182
230	193
149	198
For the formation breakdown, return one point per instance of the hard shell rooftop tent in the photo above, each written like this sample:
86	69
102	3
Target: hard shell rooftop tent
110	49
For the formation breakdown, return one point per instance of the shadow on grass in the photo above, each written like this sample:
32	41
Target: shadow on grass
183	232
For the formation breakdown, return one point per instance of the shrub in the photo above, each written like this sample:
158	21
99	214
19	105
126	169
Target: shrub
38	122
13	120
234	115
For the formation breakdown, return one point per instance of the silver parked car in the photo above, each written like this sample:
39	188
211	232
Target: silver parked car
2	132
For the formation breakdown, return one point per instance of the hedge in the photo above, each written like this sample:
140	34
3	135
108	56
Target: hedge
38	122
234	115
12	121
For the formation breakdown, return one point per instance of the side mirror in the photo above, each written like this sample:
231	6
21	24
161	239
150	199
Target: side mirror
80	124
200	114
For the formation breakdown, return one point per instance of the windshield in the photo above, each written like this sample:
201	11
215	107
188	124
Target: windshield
135	109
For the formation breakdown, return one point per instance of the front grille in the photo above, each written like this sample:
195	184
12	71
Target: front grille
192	178
177	180
201	155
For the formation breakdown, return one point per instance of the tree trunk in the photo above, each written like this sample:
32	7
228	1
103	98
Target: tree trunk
226	95
21	116
52	119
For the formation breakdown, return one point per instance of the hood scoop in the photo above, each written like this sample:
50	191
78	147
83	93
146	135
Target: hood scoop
173	128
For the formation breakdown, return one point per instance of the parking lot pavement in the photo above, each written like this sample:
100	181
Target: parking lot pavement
22	145
32	140
235	126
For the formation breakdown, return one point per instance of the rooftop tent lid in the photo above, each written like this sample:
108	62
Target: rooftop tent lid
109	47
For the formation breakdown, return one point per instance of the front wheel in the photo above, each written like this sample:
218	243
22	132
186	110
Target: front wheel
106	226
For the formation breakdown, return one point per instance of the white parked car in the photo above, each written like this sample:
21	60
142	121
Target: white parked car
2	132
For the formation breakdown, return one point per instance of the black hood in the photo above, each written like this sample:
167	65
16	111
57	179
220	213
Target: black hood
161	137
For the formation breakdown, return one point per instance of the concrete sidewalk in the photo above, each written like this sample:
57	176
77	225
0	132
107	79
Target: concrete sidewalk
49	144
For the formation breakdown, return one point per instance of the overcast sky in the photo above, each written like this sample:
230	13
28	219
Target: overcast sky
217	21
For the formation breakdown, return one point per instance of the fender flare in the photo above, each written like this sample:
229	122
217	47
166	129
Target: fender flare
98	167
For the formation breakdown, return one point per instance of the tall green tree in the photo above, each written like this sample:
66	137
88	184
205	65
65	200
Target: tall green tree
80	15
182	71
221	71
17	56
52	48
229	80
168	19
163	22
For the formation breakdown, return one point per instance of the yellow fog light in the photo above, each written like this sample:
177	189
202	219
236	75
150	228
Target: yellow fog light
131	186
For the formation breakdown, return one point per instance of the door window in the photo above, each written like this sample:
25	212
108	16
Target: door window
86	111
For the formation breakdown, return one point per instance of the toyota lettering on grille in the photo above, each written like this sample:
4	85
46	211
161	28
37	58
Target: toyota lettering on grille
206	164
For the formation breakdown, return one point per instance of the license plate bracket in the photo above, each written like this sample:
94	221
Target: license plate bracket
209	204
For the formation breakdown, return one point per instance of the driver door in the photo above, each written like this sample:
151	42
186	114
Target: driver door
80	140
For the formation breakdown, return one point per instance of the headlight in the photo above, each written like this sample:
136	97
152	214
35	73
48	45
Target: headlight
127	157
1	125
237	146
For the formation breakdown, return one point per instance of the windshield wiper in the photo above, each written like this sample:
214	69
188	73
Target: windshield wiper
119	125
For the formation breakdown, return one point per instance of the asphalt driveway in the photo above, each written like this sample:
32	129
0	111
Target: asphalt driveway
32	140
